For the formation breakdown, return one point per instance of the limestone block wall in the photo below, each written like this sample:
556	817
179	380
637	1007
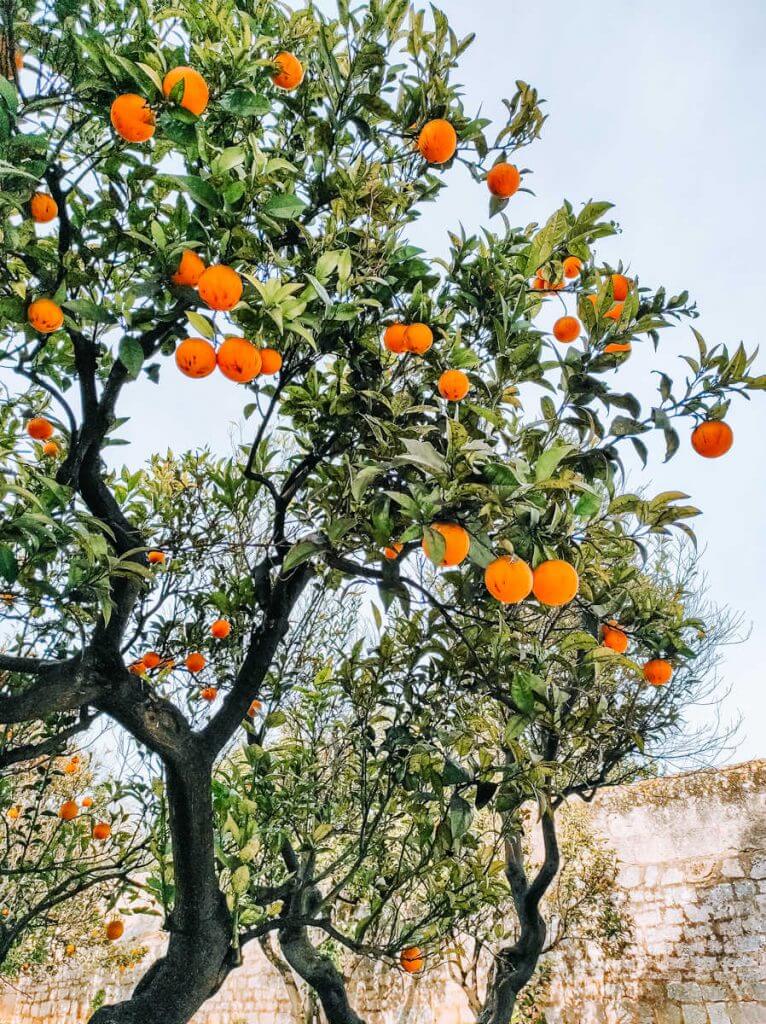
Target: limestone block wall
693	864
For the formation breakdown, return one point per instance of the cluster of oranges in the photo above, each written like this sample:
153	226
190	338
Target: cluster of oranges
40	429
418	339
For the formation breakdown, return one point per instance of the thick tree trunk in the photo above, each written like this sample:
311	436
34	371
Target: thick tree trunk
199	954
320	973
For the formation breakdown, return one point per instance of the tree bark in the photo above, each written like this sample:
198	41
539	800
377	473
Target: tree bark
320	973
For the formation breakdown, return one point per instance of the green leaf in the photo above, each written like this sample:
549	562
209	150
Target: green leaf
9	95
9	567
549	460
131	355
201	191
284	206
522	691
245	103
201	324
299	553
363	479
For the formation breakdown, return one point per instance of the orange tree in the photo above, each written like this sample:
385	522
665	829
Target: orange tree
221	172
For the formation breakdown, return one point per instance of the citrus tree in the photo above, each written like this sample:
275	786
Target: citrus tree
232	187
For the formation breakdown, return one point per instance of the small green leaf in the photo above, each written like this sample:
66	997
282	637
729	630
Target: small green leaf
284	206
131	355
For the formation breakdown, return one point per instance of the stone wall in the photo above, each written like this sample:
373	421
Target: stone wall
693	855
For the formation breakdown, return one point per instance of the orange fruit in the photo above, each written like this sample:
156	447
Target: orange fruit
620	287
86	802
14	813
137	668
616	347
503	180
72	766
45	316
394	338
115	930
68	810
419	338
453	385
151	659
51	449
239	360
195	91
271	361
70	949
39	428
190	269
555	582
456	541
411	960
437	141
712	439
508	579
132	118
393	552
220	629
195	661
101	831
566	329
614	637
43	208
254	708
195	358
615	312
572	267
209	694
155	557
658	672
220	287
289	73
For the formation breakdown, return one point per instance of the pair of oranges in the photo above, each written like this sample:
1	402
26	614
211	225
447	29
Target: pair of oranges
41	429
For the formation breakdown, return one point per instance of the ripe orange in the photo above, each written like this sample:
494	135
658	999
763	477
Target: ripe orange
68	810
555	582
220	287
453	385
508	579
616	347
14	813
712	439
72	766
39	428
151	659
43	208
271	361
239	360
115	930
437	141
456	541
566	329
572	267
393	552
503	180
419	338
411	960
254	708
155	557
614	637
45	316
137	668
395	338
195	661
289	73
51	449
209	694
190	269
70	949
658	672
101	831
195	358
86	802
195	91
615	312
132	118
220	629
620	287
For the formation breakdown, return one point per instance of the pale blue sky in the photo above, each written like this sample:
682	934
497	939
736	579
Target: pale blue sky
657	107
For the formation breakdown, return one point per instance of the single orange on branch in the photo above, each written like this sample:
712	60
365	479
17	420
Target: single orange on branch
39	428
620	287
289	73
555	582
68	810
195	95
271	361
220	287
453	385
45	316
155	557
43	208
151	659
132	118
239	360
195	662
456	544
437	141
508	579
658	672
101	831
209	693
220	629
51	449
613	637
503	180
419	338
712	439
411	960
395	338
615	348
115	930
572	267
195	358
190	269
566	329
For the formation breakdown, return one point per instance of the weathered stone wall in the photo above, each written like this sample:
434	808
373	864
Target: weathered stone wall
693	855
